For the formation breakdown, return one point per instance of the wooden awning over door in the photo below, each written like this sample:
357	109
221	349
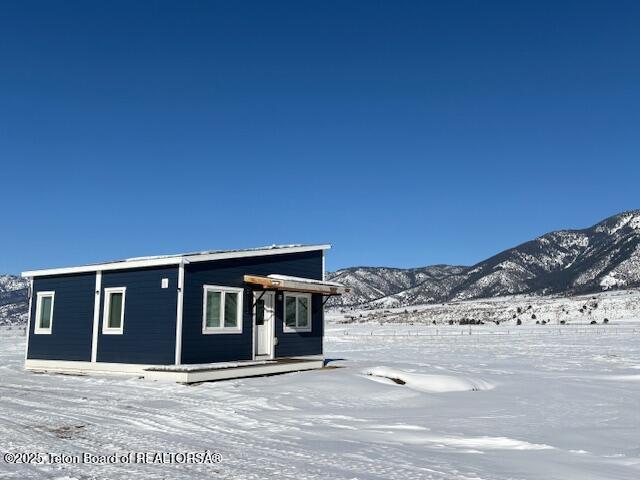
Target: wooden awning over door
295	284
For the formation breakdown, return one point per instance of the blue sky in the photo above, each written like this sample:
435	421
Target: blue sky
404	133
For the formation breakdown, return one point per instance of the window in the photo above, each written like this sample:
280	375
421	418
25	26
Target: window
297	312
222	310
113	318
44	312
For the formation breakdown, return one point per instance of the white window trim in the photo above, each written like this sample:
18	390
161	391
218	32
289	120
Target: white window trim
106	330
285	327
37	328
217	330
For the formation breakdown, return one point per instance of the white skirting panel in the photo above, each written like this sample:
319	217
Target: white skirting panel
154	372
65	366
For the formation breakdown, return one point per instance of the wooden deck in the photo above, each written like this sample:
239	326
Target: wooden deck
229	370
181	373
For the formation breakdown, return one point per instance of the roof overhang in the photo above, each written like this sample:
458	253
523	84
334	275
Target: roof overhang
176	260
294	284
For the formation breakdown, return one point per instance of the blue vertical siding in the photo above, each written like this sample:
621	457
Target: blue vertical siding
150	313
200	348
72	326
149	332
303	343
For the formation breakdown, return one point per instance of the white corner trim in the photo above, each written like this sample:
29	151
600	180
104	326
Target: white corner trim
222	329
324	278
324	271
96	317
106	330
174	260
28	334
38	330
179	313
296	329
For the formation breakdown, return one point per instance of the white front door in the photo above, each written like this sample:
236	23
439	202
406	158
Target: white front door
263	321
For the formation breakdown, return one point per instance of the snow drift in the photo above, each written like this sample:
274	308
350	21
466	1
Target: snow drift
429	383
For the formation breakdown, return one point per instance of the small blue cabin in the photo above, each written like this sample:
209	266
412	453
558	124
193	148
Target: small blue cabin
187	318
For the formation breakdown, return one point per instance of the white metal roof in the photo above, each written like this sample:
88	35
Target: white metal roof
160	260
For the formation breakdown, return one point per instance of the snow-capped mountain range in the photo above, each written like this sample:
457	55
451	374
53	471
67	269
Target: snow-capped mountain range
604	256
13	299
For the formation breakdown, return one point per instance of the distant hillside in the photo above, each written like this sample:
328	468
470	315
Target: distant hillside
13	299
604	256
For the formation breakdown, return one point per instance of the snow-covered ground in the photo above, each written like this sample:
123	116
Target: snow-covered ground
617	305
410	402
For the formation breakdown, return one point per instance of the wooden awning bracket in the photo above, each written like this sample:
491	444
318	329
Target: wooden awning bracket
255	302
327	298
